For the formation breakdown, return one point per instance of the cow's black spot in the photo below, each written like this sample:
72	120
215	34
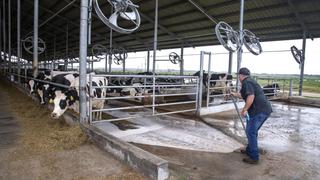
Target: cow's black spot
63	104
98	91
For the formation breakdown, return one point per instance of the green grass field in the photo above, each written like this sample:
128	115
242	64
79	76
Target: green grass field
310	83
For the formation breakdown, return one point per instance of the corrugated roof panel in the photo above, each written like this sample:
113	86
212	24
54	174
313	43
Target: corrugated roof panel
272	19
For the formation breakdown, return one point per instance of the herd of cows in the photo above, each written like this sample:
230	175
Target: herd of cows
62	88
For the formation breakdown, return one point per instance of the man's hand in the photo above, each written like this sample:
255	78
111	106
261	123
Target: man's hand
235	94
244	112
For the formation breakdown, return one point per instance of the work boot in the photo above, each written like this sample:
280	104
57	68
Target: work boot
261	151
250	161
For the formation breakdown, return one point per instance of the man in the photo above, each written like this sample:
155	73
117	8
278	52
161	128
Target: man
257	107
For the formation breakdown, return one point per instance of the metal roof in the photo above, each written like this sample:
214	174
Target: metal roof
180	23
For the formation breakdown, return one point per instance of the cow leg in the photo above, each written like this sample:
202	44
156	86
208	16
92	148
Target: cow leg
40	92
100	115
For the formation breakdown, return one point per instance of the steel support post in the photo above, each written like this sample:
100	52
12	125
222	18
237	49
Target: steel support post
83	60
290	88
155	38
230	62
208	80
110	48
302	63
148	60
54	49
35	64
110	54
9	37
199	102
51	68
182	62
67	49
18	38
155	45
124	66
1	42
239	53
106	63
4	35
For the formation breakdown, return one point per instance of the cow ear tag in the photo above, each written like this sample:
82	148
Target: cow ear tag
51	101
71	98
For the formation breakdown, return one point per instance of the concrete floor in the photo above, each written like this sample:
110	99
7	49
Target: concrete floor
197	151
290	128
194	150
172	132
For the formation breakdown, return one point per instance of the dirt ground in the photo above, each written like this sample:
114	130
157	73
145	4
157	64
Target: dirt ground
33	146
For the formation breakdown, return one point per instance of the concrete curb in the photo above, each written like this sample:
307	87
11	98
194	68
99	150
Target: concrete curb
304	101
143	161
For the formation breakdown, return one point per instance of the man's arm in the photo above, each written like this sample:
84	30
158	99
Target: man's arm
248	104
236	94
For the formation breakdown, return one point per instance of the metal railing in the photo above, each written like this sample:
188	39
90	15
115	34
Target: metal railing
222	91
278	87
158	92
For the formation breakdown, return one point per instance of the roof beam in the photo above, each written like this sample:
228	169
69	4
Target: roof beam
203	11
300	20
174	35
68	20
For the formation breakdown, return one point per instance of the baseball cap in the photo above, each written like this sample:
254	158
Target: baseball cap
244	71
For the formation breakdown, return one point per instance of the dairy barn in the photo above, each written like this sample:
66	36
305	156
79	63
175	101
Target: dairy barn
150	89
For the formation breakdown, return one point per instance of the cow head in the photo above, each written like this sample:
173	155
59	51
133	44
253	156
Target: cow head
63	100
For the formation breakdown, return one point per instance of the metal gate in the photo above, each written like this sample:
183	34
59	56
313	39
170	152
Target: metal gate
154	89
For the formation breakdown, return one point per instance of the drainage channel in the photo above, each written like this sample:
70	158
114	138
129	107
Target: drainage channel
168	131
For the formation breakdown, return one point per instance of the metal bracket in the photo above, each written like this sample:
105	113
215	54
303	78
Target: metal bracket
28	45
123	8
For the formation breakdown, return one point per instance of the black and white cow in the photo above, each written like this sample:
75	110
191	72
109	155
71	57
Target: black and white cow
271	89
64	99
204	79
118	81
220	81
41	88
135	90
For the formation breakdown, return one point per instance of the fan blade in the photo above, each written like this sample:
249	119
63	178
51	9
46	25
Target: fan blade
113	19
128	15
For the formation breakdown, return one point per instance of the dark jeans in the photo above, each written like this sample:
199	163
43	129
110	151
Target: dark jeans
252	129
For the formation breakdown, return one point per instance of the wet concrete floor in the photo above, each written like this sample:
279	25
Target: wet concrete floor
289	128
169	131
197	151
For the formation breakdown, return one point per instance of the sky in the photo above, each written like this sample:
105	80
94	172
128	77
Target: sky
267	62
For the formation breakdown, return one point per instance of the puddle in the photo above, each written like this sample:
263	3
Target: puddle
292	129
